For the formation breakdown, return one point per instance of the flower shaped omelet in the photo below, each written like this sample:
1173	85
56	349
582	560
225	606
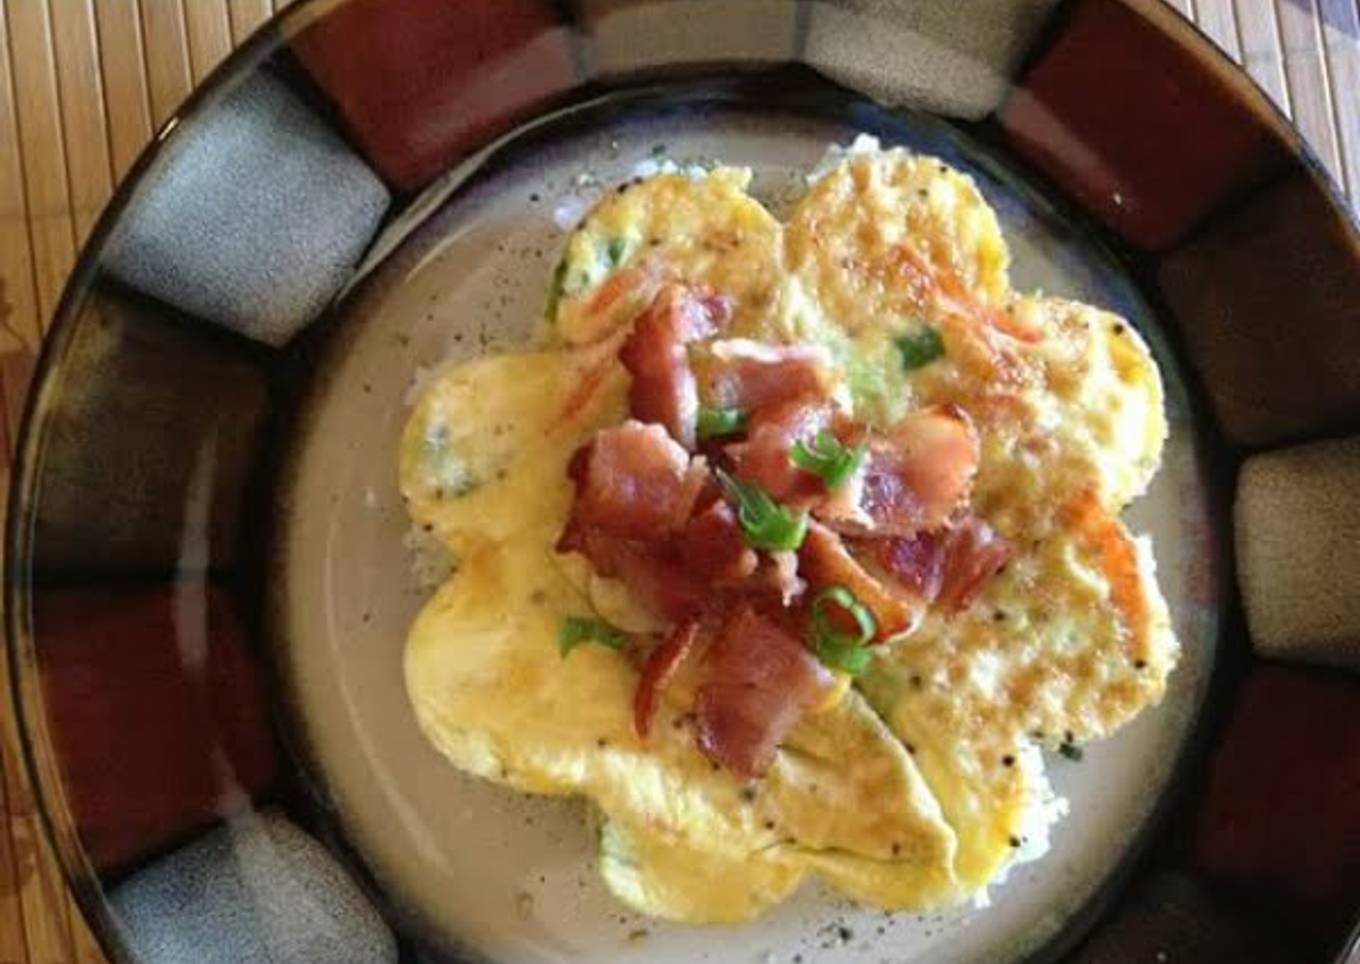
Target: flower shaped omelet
794	543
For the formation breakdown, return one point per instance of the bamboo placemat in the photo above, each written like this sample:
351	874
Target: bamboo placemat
85	83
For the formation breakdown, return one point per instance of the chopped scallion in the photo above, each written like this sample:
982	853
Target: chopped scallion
717	422
920	348
555	289
765	524
827	457
836	648
845	657
582	629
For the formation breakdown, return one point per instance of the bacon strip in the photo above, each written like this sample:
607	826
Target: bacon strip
764	456
711	546
976	554
920	472
916	564
949	567
750	374
660	667
823	561
634	481
663	389
651	571
760	681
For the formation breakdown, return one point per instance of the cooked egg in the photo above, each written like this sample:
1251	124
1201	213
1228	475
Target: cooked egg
1070	641
919	784
494	694
702	231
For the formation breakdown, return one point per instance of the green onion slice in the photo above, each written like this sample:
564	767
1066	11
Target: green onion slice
848	652
844	656
556	289
920	348
765	524
828	458
717	422
583	629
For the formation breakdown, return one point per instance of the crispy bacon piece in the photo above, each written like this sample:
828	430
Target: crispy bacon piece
635	481
652	572
661	665
949	566
750	374
823	560
763	457
919	472
711	546
759	682
976	554
663	389
916	563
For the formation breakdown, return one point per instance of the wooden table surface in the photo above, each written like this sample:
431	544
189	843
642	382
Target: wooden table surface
85	83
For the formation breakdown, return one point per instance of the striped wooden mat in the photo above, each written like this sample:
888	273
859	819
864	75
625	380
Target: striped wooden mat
83	85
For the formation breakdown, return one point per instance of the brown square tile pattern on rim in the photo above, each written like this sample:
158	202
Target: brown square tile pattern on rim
125	66
420	89
1145	133
1277	825
126	462
1267	299
116	678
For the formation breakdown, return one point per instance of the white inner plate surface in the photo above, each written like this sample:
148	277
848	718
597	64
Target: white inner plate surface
486	872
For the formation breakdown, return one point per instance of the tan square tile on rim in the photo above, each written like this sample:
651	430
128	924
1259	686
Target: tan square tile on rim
953	58
1298	552
629	34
